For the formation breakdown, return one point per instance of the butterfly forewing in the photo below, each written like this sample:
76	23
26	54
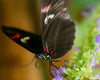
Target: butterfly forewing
31	42
58	29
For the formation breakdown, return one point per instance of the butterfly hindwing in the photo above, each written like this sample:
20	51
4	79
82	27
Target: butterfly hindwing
31	42
58	29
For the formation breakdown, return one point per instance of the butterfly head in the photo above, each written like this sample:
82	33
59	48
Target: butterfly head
45	56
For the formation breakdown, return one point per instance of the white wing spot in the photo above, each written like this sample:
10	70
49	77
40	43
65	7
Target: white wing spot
48	17
64	9
24	40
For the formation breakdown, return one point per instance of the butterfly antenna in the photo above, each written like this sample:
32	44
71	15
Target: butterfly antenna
25	64
50	63
61	62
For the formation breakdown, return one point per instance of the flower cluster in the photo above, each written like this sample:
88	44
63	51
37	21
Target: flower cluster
88	9
97	44
56	74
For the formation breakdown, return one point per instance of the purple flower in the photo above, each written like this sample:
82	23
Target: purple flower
97	40
89	8
93	63
76	48
97	76
97	44
97	37
98	21
56	74
85	13
98	24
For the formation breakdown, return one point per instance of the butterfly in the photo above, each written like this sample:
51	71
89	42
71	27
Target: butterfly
58	32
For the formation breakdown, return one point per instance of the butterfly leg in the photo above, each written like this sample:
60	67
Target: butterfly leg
60	61
50	64
66	61
61	71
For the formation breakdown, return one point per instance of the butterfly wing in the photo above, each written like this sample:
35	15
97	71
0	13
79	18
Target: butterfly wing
58	29
31	42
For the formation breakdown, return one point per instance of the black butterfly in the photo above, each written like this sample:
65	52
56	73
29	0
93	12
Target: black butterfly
58	32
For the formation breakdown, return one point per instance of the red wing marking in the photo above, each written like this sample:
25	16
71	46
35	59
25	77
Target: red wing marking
51	52
44	49
15	36
45	9
50	49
